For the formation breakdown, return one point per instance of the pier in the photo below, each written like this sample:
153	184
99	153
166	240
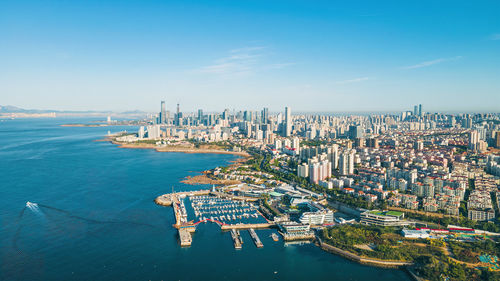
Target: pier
185	237
246	226
234	197
255	238
236	239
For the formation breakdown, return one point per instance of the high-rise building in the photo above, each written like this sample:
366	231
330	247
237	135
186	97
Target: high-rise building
418	145
141	132
415	110
497	139
346	163
288	122
355	132
163	113
334	156
225	114
247	116
303	170
264	115
200	114
420	110
473	140
178	116
154	132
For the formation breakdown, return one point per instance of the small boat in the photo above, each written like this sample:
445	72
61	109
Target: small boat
275	236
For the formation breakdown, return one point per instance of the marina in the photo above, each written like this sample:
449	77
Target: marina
204	206
222	210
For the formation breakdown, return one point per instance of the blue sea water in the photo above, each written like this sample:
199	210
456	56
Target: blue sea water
96	219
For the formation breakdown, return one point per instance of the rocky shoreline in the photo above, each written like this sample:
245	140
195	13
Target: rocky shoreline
181	149
204	179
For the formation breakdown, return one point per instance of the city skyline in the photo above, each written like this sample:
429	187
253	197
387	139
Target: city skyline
330	57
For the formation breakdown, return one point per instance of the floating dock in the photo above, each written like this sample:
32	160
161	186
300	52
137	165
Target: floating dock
236	239
185	237
255	238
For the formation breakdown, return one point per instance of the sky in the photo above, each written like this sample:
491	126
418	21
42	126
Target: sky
328	56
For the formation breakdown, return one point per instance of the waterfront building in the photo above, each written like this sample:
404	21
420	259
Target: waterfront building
293	230
141	132
154	132
382	218
317	218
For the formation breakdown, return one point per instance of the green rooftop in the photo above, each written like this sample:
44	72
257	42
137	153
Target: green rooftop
394	213
275	194
386	213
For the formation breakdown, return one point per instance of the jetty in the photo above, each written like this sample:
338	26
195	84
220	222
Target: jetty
236	239
185	227
246	226
255	238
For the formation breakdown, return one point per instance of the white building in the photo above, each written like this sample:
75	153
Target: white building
317	218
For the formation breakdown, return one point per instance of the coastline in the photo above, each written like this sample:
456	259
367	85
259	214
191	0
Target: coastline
177	149
359	259
191	180
204	179
84	125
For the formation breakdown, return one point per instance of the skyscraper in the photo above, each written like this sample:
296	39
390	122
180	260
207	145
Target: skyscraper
200	114
264	115
225	114
420	110
163	113
178	116
415	110
355	132
288	122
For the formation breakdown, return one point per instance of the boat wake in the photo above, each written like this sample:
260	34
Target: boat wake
38	210
95	221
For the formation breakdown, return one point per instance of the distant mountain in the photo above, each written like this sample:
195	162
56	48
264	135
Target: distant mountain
15	109
10	109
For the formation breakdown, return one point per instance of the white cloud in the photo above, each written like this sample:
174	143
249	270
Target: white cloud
495	36
245	60
431	62
280	65
355	80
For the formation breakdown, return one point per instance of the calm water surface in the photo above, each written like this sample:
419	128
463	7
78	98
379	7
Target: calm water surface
96	219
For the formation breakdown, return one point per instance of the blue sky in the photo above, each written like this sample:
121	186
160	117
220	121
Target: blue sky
310	55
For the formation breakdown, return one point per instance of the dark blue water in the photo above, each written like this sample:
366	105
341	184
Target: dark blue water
97	221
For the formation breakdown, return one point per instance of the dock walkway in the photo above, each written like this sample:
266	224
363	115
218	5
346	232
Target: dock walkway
255	238
236	239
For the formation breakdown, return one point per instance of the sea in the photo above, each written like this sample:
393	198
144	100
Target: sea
92	215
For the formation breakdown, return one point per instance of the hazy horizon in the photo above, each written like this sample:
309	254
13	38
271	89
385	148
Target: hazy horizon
294	112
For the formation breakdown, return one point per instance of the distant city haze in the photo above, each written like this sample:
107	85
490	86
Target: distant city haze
330	56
